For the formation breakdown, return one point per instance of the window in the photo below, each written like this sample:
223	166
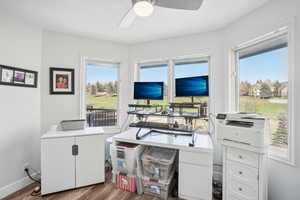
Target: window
263	85
191	69
152	72
101	94
155	73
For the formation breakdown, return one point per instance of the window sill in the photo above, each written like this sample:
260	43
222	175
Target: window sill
280	155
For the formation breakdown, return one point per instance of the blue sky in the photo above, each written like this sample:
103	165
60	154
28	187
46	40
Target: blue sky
271	65
102	74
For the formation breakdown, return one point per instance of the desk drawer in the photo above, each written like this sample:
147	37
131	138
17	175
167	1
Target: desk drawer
245	191
242	172
197	158
232	197
245	157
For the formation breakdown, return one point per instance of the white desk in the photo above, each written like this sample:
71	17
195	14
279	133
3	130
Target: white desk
195	163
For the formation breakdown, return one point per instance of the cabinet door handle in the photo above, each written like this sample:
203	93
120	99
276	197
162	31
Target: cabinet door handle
240	189
75	150
240	172
240	157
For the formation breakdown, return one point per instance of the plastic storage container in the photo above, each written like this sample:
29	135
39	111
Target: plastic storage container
124	157
157	163
157	188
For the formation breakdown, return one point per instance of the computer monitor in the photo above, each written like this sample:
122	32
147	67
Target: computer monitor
149	90
192	86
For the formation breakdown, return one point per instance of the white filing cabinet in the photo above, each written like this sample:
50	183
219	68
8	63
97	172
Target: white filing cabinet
195	175
71	159
244	173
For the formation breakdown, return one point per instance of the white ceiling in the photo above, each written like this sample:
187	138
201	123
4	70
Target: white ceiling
101	18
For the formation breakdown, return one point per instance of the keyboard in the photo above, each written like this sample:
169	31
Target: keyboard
157	125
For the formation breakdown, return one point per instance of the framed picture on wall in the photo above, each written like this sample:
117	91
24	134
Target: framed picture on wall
61	81
18	77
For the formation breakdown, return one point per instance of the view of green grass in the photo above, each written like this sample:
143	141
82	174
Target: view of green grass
263	106
106	102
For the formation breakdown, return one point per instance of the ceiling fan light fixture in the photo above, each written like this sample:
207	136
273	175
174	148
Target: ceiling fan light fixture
143	8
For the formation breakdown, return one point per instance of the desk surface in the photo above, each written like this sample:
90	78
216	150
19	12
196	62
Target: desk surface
203	142
84	132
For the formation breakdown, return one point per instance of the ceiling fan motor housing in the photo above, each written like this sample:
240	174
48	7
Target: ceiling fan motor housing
150	1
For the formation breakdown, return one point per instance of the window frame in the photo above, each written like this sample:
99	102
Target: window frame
235	80
170	62
99	62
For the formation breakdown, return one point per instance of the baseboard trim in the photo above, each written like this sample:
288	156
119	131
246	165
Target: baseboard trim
15	186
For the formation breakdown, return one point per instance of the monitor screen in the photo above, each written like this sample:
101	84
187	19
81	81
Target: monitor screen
149	90
192	86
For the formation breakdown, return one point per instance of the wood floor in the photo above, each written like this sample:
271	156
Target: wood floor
105	191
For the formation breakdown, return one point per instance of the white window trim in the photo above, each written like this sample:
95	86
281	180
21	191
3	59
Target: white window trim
206	56
234	88
97	61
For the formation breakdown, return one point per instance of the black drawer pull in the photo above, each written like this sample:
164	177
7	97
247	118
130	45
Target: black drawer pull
240	172
240	157
240	189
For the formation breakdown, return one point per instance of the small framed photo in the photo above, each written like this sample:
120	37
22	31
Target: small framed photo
7	75
14	76
30	78
61	81
19	77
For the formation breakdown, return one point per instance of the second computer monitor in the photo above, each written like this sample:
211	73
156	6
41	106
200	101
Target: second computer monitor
192	86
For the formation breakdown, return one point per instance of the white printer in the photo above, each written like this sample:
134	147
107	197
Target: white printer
244	128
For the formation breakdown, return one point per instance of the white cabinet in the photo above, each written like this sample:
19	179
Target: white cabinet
71	161
195	175
244	174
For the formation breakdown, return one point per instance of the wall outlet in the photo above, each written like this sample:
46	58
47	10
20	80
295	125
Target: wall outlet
26	166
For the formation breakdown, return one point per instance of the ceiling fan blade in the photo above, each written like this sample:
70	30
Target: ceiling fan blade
180	4
128	19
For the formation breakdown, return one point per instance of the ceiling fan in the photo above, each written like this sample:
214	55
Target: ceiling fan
144	8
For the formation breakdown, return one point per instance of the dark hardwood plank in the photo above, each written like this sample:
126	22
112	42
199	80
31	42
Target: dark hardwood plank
103	191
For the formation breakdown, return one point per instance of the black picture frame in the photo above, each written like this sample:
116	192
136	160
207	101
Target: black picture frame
66	74
28	78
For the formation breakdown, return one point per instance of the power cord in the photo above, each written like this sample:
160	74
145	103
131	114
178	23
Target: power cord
37	189
29	175
211	119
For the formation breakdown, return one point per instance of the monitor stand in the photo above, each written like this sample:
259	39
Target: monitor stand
192	98
148	101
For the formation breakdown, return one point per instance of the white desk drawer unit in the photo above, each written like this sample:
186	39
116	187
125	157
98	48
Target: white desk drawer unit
242	175
245	157
195	175
242	172
246	191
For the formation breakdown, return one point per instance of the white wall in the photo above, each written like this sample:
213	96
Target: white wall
19	107
284	180
60	50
